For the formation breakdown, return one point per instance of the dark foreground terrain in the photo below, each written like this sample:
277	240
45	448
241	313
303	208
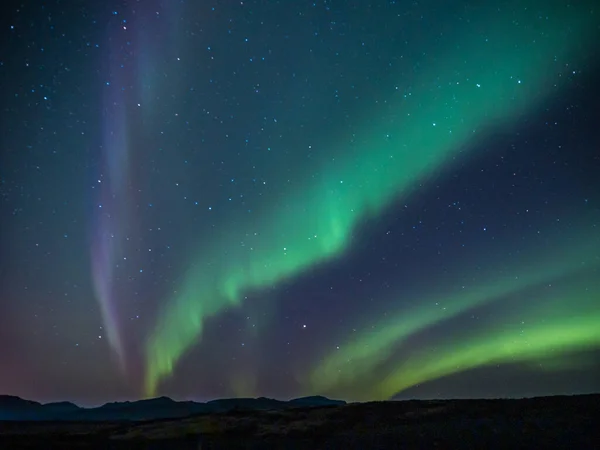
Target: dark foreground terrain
546	422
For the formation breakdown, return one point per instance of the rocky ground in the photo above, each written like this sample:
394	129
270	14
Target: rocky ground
548	422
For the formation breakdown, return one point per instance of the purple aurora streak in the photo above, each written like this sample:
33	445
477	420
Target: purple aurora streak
112	213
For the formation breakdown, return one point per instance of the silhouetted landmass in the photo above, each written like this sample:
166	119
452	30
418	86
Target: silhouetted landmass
537	423
15	408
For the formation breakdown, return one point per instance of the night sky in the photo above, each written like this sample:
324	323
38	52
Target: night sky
359	199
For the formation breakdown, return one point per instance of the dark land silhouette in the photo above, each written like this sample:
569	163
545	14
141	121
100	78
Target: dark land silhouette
308	423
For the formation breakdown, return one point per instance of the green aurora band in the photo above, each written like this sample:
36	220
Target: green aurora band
554	330
349	370
559	334
457	92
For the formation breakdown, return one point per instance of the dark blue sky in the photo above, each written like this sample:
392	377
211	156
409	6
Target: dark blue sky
141	143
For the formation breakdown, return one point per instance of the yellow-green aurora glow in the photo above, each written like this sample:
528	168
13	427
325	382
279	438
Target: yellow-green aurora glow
351	367
556	335
458	93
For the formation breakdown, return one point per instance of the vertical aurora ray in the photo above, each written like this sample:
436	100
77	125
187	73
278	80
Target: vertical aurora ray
111	215
474	84
135	37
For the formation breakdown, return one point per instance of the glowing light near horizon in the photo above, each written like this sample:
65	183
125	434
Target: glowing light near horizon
369	365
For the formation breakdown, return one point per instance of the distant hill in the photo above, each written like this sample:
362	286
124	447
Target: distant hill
17	409
535	423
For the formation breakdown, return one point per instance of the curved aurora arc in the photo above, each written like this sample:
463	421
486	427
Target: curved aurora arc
472	85
558	335
350	368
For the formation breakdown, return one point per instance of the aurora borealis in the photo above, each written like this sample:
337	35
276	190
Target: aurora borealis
362	200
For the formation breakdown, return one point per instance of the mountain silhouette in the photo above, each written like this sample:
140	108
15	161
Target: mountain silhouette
15	408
